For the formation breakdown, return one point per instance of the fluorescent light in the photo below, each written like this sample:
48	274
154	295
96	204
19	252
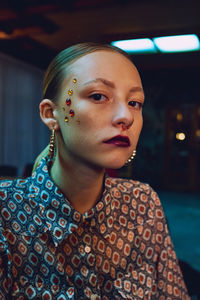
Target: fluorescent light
136	45
177	43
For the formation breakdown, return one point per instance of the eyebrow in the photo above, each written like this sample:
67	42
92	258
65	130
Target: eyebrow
102	80
112	85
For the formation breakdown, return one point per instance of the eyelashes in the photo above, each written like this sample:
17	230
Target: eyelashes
136	104
98	97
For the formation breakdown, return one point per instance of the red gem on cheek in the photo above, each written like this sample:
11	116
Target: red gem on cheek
68	101
71	113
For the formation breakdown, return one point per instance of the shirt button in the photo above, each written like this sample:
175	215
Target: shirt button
94	297
87	249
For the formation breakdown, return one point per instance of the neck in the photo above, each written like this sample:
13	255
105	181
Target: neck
81	183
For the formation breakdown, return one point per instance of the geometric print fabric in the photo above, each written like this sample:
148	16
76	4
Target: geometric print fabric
120	249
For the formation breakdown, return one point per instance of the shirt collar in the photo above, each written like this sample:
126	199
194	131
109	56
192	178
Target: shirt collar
59	216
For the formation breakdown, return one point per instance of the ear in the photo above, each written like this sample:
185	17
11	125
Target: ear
47	114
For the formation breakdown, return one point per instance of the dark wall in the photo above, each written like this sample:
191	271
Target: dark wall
167	88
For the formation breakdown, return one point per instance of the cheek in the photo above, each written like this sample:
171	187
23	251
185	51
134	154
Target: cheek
138	124
87	117
85	121
78	126
66	115
139	119
141	123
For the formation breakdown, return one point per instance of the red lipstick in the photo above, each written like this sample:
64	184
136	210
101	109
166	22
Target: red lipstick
119	140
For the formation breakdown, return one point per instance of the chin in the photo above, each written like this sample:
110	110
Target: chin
110	162
115	165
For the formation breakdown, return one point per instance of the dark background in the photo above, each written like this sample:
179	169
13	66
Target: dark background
32	32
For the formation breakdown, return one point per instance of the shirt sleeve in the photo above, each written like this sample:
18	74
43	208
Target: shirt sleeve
169	283
5	279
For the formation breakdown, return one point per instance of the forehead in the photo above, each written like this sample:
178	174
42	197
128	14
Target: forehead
104	63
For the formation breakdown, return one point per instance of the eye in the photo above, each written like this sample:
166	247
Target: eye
98	97
136	104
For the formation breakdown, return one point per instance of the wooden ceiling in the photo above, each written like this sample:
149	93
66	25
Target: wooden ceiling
35	30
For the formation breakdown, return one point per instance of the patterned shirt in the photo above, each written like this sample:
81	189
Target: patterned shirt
120	249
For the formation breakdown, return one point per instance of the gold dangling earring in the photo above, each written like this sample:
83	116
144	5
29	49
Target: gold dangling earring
52	145
131	158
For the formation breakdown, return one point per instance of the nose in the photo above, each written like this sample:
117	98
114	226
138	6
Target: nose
122	116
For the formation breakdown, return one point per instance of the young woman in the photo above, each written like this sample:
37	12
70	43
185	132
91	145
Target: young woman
70	231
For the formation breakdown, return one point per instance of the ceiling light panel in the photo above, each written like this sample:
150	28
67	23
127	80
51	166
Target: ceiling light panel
177	43
136	45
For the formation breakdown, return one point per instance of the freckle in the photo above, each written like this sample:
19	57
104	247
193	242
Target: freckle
78	122
63	108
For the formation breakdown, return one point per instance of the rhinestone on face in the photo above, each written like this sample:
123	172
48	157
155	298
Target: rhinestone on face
71	113
66	119
68	101
74	80
70	92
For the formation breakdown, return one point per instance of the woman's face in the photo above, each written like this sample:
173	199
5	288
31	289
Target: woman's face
107	104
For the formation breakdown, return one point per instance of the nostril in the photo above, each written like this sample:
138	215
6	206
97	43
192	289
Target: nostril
129	125
124	127
123	119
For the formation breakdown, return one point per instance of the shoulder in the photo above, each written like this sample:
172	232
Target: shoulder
5	186
13	188
137	206
136	188
140	195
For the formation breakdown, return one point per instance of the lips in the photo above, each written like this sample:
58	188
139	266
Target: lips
119	140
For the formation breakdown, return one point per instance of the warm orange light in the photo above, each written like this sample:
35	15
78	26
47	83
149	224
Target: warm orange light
179	117
180	136
198	132
3	35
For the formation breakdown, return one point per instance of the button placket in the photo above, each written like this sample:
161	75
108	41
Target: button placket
89	225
